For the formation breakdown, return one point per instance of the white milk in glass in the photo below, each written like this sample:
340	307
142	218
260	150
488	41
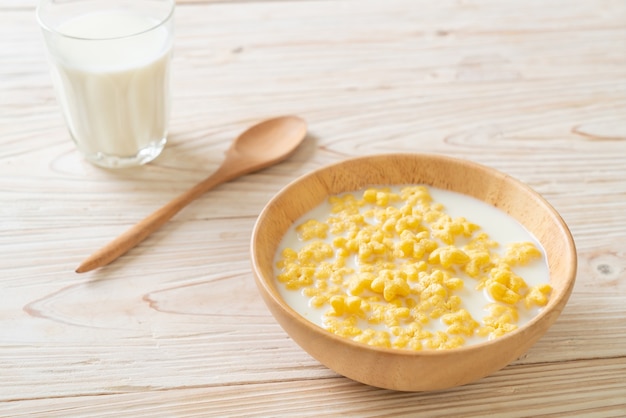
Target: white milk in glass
111	72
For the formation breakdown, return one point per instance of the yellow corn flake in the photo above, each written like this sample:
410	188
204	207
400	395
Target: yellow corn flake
419	317
288	256
346	305
460	322
414	245
369	195
391	284
382	198
434	290
377	314
371	251
505	286
407	222
501	320
501	313
410	256
410	336
324	271
346	203
312	229
501	293
318	301
479	263
413	269
496	330
315	252
344	327
360	282
374	337
393	315
448	256
414	194
346	223
443	341
339	242
454	283
438	306
520	253
447	229
538	295
296	277
427	278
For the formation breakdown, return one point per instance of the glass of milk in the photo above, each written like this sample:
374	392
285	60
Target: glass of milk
110	62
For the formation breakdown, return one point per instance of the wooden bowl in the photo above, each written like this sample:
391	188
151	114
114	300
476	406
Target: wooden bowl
403	369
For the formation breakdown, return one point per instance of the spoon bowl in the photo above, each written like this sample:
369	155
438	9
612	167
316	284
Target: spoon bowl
260	146
281	136
286	132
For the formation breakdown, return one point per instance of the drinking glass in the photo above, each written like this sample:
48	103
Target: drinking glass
110	66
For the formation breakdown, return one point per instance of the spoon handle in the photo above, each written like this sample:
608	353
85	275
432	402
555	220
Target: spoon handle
150	223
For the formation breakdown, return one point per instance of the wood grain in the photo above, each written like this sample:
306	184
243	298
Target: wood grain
536	89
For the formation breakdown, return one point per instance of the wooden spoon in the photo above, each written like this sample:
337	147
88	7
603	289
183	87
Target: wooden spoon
258	147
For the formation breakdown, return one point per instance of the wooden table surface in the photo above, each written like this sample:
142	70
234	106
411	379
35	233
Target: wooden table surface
534	88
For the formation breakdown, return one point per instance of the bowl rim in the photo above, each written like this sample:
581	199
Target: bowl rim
279	302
